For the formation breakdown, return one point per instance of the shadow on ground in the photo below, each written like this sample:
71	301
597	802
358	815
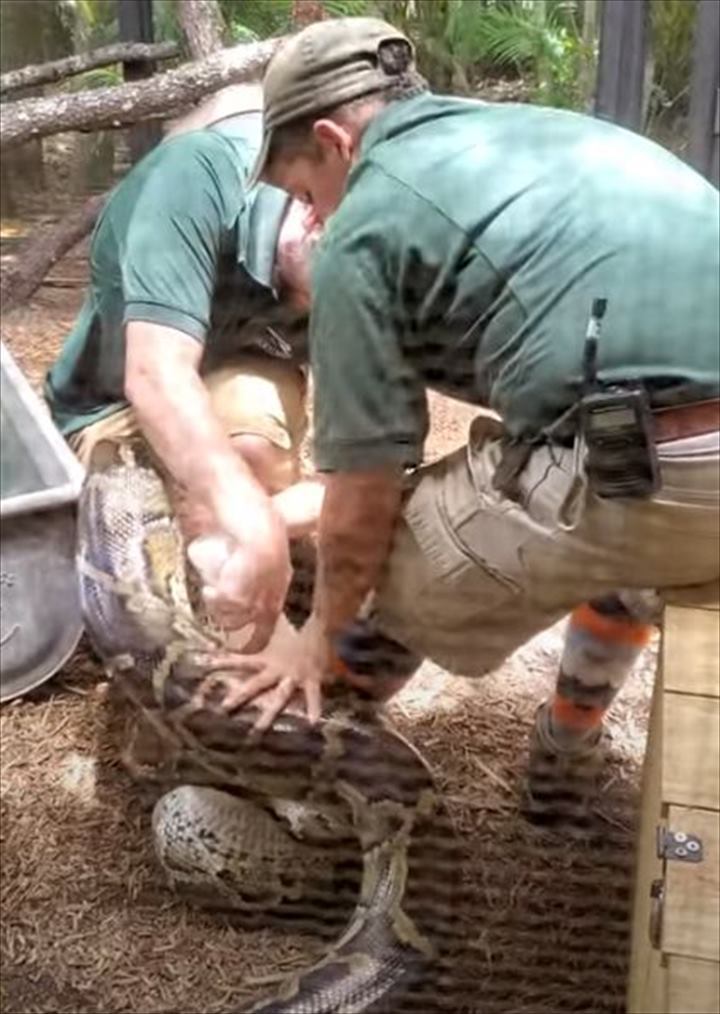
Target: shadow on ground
87	926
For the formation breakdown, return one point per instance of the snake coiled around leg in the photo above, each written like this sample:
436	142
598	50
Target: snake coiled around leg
138	614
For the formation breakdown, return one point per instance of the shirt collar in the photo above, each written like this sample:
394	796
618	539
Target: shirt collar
259	231
384	124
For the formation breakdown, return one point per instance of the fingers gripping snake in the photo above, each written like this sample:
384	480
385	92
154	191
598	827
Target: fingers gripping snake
138	614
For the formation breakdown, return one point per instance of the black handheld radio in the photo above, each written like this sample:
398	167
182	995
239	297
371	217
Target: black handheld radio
617	427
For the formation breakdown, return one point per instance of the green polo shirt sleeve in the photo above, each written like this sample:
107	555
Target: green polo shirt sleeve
369	405
183	216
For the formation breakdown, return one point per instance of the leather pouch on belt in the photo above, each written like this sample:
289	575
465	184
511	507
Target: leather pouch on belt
514	454
513	460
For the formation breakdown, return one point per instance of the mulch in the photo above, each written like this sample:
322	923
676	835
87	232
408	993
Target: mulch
88	926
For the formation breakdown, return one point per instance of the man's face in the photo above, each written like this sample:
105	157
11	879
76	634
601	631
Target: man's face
299	235
316	185
319	181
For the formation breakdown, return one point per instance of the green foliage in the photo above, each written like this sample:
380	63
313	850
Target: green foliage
165	23
93	23
99	77
349	8
249	20
429	27
455	39
672	26
32	33
539	38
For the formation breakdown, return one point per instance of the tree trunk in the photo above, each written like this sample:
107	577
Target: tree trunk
22	42
136	24
32	33
8	204
588	66
130	103
47	73
38	253
203	26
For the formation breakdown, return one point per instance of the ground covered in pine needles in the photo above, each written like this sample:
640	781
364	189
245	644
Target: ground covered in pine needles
87	926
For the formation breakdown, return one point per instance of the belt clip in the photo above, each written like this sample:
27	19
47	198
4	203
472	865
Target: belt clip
570	510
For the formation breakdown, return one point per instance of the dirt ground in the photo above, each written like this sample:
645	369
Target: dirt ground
87	926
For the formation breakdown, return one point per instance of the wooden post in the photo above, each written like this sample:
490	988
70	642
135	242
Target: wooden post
703	149
135	22
675	964
621	63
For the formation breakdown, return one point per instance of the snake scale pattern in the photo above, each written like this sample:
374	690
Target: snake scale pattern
351	767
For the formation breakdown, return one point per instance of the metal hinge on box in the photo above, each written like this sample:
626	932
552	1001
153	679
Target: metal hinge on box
671	845
678	845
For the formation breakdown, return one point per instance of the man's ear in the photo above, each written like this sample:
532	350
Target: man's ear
331	136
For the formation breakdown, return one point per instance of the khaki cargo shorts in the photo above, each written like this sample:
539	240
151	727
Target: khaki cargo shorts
472	575
254	396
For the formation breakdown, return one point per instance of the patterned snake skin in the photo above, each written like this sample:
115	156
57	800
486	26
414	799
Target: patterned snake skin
350	767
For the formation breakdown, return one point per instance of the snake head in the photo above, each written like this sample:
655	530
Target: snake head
188	683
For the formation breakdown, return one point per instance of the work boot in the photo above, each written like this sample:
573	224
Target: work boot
563	772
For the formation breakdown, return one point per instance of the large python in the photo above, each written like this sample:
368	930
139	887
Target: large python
351	765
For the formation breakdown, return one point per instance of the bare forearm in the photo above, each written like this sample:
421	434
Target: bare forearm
175	414
179	423
300	505
162	383
356	526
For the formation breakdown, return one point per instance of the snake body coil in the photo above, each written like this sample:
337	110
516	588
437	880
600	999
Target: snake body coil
137	611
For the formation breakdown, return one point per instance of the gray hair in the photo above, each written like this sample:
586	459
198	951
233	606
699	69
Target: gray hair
229	101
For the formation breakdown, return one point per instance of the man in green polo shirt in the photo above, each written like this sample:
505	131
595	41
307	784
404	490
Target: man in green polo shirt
193	331
465	243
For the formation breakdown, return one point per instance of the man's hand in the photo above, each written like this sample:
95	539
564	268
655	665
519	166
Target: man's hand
356	524
247	577
300	504
293	662
246	573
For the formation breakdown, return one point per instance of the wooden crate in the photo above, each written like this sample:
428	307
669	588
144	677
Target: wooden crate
675	966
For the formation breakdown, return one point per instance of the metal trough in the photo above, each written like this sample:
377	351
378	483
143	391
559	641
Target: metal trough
40	480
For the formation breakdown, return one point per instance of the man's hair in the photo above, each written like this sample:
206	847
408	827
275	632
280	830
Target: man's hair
289	140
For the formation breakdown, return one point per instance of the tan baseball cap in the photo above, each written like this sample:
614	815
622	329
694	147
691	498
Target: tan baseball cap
325	64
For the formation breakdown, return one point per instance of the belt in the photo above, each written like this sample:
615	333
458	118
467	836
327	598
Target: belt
691	420
676	423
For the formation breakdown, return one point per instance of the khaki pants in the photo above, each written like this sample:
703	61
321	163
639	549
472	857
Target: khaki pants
255	396
473	575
